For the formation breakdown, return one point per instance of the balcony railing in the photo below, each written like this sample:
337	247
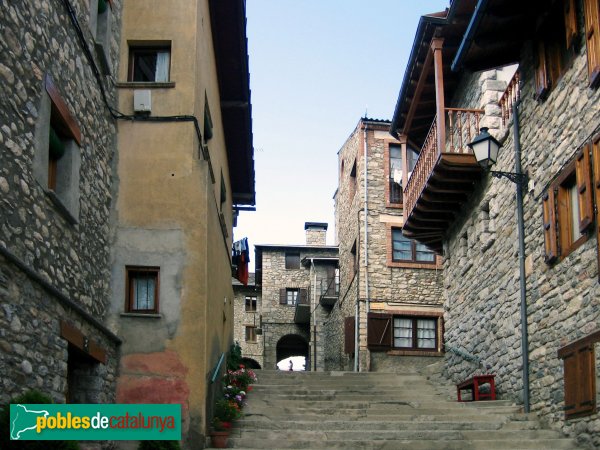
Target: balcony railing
509	98
459	126
329	287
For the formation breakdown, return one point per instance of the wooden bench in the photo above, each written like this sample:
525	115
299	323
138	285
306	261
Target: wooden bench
473	384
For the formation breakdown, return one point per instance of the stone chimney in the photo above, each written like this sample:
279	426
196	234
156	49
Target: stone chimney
316	233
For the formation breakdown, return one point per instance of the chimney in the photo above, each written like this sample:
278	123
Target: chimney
316	233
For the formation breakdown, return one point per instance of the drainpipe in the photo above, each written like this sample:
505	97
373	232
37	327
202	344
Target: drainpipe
312	313
366	224
357	311
521	231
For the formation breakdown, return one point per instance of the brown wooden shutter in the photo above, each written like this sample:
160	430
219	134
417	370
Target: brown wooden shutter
550	239
579	380
303	297
283	296
542	84
592	39
596	189
570	21
584	189
379	331
349	335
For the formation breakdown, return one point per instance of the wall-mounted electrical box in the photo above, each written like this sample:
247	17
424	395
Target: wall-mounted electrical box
142	101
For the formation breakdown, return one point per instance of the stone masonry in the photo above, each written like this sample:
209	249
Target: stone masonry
54	260
243	318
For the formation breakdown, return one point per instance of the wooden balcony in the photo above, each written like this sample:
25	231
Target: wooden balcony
302	310
443	177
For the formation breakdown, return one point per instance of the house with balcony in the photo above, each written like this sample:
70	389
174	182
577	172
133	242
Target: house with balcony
390	309
298	286
528	313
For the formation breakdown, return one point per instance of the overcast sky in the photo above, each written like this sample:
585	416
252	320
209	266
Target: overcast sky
316	68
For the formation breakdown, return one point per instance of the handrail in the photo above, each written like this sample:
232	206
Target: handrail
217	368
511	95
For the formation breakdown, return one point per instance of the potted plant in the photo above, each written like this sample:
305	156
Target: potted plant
219	433
226	411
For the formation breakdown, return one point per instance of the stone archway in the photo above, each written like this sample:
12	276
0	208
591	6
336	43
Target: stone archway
292	345
250	363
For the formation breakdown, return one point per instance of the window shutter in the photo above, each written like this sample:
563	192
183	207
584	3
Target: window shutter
349	325
542	84
379	331
584	189
592	39
282	296
570	21
550	240
579	381
596	178
303	297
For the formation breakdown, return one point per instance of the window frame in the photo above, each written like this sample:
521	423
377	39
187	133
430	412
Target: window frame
413	249
592	39
290	260
389	175
129	272
294	298
147	48
250	333
253	303
380	332
414	337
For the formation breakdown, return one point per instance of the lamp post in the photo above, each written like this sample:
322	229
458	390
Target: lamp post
486	148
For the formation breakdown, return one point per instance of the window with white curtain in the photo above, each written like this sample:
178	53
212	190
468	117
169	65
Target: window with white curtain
149	64
415	333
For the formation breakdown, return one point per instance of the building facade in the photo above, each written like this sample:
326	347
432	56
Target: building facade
185	162
389	312
247	313
57	140
297	286
549	59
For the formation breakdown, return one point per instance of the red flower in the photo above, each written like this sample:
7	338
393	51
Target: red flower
242	366
226	425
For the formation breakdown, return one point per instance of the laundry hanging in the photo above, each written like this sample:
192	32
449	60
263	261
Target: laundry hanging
240	257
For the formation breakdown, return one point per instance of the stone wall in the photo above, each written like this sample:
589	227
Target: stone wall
252	350
481	273
70	254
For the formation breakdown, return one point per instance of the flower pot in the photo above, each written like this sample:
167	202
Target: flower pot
219	439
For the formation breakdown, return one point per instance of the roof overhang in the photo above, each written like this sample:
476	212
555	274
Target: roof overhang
228	23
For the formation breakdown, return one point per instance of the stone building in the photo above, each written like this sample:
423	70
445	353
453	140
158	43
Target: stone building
184	166
297	287
389	312
457	80
57	140
247	313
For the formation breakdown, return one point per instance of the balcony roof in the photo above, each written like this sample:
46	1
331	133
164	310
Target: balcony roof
228	24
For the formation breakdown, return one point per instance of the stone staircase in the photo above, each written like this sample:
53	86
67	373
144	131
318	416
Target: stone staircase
344	410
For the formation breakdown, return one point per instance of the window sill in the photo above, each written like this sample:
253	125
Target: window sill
147	85
414	353
60	206
394	205
414	265
149	316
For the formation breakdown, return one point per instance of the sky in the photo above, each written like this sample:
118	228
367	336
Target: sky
316	68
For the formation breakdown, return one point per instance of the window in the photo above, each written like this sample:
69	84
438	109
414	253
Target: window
293	296
57	158
354	257
149	63
292	260
100	25
579	376
250	304
555	47
395	171
250	334
223	197
592	40
406	331
208	123
568	208
415	333
404	249
142	289
352	181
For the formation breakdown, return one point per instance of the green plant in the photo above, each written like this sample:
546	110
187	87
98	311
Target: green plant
227	410
29	397
159	445
234	358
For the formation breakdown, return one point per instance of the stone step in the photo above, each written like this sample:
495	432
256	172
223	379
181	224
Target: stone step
318	416
332	406
503	444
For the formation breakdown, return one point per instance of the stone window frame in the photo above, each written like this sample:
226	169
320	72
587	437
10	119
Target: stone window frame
100	24
559	209
250	333
130	272
253	303
58	176
436	264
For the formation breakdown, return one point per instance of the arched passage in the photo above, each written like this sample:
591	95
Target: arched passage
250	363
292	345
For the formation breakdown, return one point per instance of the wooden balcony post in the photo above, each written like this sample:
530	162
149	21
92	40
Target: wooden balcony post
436	48
403	138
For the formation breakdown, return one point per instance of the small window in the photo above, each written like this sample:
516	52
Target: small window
149	63
415	333
223	192
208	123
142	289
292	260
352	181
100	25
407	250
292	296
250	334
395	173
250	304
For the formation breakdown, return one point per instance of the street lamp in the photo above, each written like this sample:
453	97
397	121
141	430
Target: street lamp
486	147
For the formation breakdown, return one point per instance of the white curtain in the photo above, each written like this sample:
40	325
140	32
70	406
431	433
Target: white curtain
426	333
143	292
162	67
402	332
